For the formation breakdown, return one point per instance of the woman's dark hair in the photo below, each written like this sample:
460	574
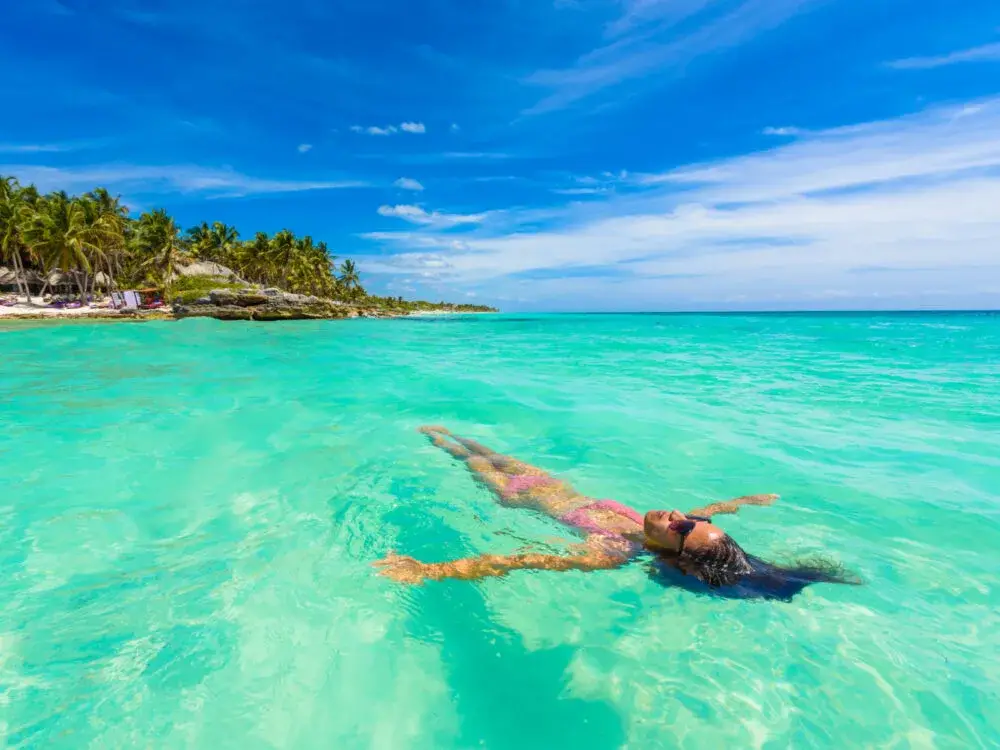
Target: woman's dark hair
726	564
721	564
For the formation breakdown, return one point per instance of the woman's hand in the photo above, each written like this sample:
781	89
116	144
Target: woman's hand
404	569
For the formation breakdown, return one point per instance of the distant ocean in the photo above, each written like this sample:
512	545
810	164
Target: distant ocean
189	512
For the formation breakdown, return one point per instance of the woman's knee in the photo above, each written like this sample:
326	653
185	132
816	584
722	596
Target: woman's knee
479	463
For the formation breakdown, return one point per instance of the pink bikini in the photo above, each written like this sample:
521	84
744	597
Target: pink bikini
578	518
521	482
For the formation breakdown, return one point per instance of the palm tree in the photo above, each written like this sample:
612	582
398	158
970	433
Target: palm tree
65	234
112	218
159	238
83	235
12	209
200	240
253	258
225	239
215	243
281	255
349	278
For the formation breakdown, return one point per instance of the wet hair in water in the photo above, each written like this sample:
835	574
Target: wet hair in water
721	564
726	565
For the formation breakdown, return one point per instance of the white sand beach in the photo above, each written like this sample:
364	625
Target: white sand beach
40	309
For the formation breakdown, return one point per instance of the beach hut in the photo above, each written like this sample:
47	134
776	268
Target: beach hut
60	283
34	280
8	280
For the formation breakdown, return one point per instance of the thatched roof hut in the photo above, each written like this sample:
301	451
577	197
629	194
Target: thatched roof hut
8	278
58	278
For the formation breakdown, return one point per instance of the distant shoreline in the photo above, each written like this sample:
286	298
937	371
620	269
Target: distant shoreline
97	314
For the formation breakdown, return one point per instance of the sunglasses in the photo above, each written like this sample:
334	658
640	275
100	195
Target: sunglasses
685	527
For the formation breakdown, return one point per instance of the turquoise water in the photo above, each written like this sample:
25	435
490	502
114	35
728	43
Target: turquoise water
189	513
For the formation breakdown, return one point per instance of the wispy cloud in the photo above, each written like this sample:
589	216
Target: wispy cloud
408	183
476	155
404	127
581	191
31	148
51	148
648	38
784	131
605	183
417	215
374	129
985	53
152	179
305	147
454	127
915	196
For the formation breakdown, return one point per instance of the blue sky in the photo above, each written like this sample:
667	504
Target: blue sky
544	154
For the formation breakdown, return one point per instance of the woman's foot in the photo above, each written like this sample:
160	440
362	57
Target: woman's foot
431	429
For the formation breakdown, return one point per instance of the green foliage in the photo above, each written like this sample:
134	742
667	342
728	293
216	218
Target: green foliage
187	289
399	305
82	236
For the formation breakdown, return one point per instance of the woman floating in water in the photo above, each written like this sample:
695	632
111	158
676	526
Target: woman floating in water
688	549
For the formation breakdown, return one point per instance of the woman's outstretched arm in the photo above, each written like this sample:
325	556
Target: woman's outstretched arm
732	506
407	570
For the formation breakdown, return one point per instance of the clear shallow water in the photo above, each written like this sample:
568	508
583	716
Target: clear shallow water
190	510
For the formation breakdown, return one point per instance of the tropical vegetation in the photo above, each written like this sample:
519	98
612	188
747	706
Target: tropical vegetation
92	240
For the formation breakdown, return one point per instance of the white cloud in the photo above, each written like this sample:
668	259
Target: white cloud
580	191
896	210
605	183
31	148
454	127
646	40
483	155
159	179
785	131
417	215
406	127
408	183
305	147
985	53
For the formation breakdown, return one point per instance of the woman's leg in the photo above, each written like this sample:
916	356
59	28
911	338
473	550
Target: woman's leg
480	466
508	465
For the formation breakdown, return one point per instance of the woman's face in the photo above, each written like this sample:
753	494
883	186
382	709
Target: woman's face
671	530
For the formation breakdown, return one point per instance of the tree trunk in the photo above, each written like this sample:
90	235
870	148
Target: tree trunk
22	279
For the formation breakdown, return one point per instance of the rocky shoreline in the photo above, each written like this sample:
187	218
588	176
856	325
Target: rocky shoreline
224	304
270	304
